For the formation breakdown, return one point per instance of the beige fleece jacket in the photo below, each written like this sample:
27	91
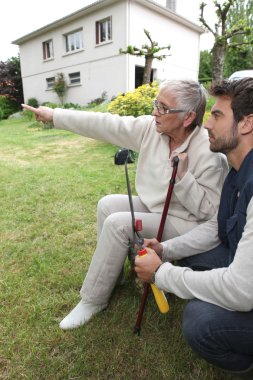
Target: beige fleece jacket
195	197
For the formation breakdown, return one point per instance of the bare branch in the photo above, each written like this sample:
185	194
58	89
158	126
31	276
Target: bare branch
202	19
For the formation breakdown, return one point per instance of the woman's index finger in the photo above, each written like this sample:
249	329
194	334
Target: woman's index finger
30	108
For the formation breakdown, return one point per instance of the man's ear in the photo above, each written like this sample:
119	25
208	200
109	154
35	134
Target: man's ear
246	126
189	118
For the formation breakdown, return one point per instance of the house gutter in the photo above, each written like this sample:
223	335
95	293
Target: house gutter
127	41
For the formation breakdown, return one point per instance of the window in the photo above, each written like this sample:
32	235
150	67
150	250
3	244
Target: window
50	83
74	78
104	30
171	4
74	41
47	47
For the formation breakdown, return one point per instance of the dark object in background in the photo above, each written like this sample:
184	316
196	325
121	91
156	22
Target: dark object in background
122	155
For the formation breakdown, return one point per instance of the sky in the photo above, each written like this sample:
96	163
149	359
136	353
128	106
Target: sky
22	17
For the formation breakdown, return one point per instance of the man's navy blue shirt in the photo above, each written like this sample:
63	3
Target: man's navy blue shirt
236	194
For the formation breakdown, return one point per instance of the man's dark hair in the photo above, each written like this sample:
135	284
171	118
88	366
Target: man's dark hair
241	94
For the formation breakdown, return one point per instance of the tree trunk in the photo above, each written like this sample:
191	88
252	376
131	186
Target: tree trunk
147	70
219	52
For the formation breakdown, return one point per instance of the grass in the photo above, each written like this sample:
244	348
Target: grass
51	181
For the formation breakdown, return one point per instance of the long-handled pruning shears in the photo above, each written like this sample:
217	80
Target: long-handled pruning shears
137	240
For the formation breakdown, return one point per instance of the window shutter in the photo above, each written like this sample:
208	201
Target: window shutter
44	51
97	32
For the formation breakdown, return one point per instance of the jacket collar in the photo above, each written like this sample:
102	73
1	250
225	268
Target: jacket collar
184	146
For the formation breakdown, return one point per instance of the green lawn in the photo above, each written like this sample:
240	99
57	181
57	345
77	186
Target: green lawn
51	181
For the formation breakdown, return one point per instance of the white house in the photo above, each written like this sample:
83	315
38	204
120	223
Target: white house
84	46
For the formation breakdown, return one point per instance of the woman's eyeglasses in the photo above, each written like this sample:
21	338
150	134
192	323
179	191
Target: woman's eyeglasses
165	110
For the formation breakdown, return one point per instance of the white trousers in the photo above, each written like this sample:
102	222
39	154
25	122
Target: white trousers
114	228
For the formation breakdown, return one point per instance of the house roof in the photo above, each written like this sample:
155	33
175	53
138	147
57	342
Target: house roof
102	3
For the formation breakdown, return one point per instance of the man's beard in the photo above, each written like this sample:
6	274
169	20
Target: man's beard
226	144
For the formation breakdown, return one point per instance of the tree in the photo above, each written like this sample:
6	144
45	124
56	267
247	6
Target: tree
149	52
11	80
205	66
60	86
237	60
226	35
242	58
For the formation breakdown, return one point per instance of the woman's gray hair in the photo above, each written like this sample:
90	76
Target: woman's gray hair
189	96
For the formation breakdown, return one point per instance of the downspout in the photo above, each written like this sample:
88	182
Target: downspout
127	41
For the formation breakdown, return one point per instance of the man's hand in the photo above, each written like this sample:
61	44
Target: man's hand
44	114
155	245
146	265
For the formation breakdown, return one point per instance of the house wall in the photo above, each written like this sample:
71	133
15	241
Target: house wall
102	68
183	59
185	8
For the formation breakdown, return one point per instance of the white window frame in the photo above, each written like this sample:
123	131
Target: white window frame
50	83
47	50
74	41
104	30
74	78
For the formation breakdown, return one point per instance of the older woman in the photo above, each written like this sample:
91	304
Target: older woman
173	129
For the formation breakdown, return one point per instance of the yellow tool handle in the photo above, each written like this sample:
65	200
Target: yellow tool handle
159	295
160	298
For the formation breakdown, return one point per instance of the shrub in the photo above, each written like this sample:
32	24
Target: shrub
136	103
72	106
97	101
210	103
52	105
28	115
60	86
7	107
206	116
97	108
33	102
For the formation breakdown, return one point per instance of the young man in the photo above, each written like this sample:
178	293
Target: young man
218	321
174	128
